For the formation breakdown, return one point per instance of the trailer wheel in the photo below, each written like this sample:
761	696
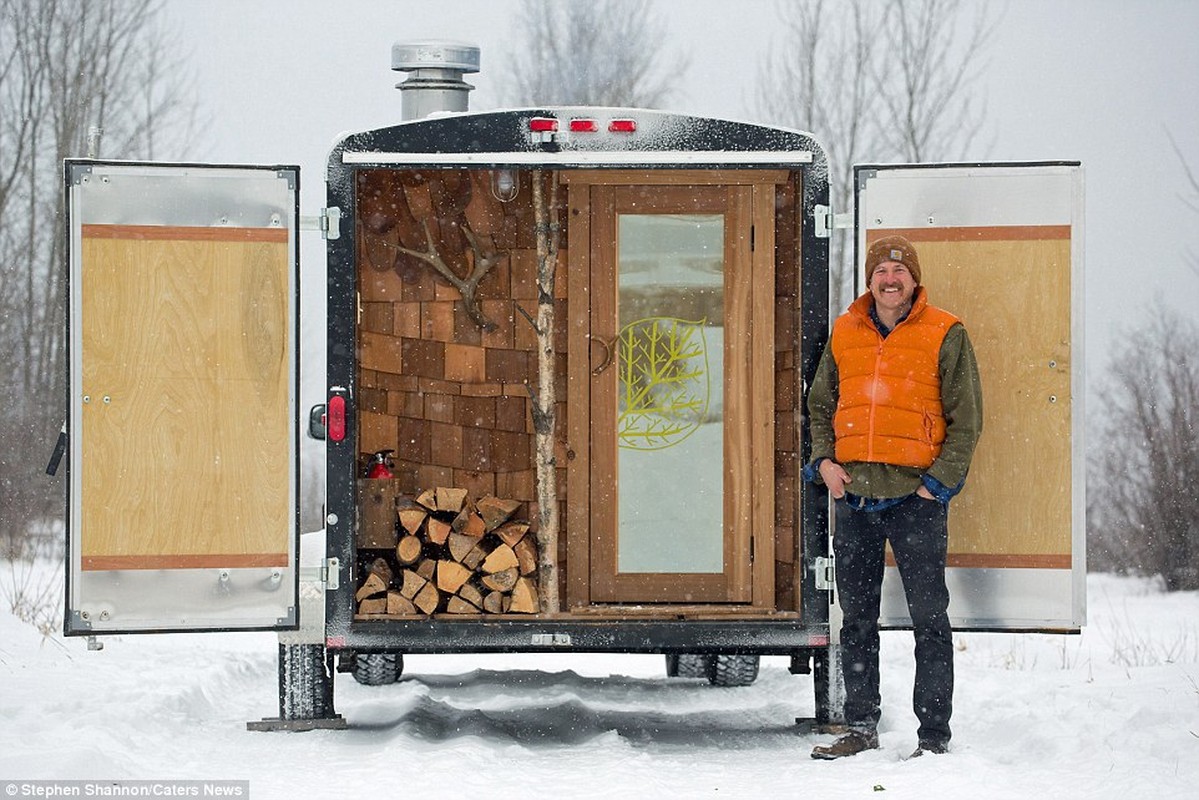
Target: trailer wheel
688	665
378	669
733	670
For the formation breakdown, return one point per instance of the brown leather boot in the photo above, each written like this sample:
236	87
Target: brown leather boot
850	744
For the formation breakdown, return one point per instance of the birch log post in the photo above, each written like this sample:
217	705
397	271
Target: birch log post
545	397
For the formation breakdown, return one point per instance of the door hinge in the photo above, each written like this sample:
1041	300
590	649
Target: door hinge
331	574
328	574
328	222
826	221
826	573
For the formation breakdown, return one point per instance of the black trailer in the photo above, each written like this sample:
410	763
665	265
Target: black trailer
579	340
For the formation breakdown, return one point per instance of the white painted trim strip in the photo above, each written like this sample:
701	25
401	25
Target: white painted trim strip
588	157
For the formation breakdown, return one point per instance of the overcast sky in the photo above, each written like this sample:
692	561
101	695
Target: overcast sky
1100	81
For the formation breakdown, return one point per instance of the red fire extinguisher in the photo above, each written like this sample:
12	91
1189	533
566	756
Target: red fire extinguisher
380	465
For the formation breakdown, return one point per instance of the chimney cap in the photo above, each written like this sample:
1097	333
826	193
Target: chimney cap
435	54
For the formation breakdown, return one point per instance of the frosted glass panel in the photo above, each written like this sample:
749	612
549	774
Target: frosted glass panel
670	398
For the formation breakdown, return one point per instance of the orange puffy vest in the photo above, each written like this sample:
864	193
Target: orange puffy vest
889	404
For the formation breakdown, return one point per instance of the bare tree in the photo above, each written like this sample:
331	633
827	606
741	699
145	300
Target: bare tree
590	52
66	66
875	81
1191	200
1142	505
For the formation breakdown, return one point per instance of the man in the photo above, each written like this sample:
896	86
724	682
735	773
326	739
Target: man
895	411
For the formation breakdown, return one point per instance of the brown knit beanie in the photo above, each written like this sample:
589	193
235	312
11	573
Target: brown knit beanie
892	248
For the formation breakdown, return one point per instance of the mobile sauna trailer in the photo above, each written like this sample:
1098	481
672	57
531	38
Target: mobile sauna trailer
614	311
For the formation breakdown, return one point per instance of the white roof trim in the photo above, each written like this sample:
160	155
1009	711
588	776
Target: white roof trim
588	157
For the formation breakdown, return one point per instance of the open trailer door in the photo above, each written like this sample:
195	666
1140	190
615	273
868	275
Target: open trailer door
182	423
1001	247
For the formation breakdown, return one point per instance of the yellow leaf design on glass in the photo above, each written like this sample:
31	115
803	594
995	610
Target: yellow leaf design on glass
663	391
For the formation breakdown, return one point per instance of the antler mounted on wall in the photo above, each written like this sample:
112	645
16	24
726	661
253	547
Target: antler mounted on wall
468	286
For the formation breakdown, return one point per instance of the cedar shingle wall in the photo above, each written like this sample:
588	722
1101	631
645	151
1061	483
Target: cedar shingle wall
448	396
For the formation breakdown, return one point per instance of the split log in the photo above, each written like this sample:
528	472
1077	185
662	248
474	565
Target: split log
512	532
500	559
493	602
428	598
450	499
398	604
426	569
502	581
428	499
475	557
437	531
469	523
408	550
373	605
412	518
471	594
381	568
524	597
373	585
526	554
495	512
460	545
457	605
412	583
451	575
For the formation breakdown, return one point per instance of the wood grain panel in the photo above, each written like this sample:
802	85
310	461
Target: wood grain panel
184	352
1014	298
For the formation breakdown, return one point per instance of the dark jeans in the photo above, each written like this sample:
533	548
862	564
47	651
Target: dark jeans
918	534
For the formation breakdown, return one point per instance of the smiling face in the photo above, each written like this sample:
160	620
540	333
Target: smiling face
893	288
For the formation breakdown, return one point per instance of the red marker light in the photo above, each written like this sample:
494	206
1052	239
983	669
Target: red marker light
622	126
336	411
584	126
543	125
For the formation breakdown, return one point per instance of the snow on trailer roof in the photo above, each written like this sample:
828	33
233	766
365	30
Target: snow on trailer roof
554	136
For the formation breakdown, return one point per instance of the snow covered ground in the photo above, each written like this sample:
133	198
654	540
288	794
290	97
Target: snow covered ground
1113	713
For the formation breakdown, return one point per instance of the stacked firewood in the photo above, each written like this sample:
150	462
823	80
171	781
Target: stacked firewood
454	556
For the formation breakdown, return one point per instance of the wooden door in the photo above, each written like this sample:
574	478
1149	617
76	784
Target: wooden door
679	378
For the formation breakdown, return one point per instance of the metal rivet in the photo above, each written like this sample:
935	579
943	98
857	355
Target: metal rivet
107	399
331	519
87	398
930	220
103	615
1053	398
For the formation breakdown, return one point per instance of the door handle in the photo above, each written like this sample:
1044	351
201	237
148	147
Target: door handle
607	360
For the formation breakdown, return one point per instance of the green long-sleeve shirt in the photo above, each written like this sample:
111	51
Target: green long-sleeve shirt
962	404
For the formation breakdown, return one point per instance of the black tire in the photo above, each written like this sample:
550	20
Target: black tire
378	669
688	665
733	670
305	684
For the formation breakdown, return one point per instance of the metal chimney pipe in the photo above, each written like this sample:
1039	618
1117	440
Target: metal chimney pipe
436	81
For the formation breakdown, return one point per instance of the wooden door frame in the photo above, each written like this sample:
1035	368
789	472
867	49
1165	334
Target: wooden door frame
753	192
